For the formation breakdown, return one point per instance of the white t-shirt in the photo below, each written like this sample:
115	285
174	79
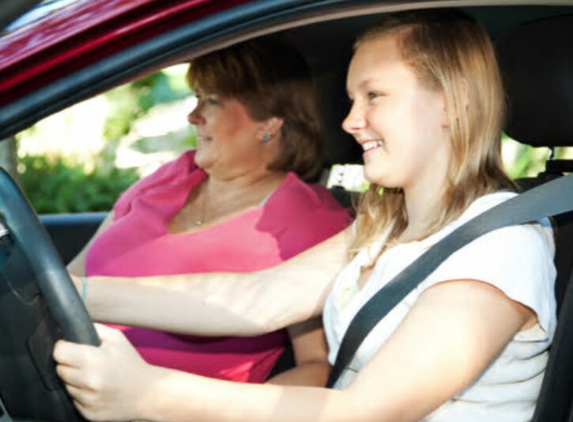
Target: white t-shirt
518	260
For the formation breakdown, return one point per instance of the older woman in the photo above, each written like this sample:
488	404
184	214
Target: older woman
236	203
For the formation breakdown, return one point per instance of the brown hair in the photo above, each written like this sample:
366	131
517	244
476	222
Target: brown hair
270	79
450	52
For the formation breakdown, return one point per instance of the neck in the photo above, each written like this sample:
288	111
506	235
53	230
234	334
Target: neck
423	208
221	199
248	185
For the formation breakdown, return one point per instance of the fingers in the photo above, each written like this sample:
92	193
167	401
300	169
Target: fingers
76	361
77	395
73	368
70	375
100	378
71	354
75	354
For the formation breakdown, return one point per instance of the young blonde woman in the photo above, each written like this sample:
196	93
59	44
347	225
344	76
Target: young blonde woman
469	344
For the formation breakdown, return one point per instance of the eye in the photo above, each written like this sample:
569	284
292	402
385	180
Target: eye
372	95
206	99
211	99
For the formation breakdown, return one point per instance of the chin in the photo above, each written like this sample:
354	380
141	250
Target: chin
200	158
374	176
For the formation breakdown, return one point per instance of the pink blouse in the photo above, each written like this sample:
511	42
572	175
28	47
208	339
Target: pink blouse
138	243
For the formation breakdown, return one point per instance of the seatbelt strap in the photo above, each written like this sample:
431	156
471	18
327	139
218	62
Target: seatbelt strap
549	199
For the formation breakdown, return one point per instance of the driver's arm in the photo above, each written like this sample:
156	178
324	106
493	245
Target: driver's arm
214	304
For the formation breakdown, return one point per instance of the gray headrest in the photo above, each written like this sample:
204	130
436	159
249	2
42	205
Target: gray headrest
537	65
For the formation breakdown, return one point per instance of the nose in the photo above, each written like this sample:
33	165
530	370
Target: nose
195	117
355	119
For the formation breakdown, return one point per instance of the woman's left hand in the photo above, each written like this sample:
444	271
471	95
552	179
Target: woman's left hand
108	382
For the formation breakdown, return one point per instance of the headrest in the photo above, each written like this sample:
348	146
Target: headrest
339	146
536	61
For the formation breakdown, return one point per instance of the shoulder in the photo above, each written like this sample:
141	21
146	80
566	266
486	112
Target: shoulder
169	171
298	202
166	174
518	260
514	240
303	215
533	239
484	203
302	196
174	168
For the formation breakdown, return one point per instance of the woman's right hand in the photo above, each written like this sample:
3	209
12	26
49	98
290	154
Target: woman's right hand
108	382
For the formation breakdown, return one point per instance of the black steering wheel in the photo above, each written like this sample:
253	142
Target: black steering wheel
38	305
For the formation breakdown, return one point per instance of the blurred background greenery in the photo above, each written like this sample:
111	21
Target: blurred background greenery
82	158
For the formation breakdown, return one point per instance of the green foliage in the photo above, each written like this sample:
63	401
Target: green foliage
524	160
132	101
55	186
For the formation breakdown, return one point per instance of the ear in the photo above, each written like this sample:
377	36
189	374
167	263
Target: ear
270	128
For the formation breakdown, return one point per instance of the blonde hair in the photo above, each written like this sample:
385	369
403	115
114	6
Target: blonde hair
452	53
271	79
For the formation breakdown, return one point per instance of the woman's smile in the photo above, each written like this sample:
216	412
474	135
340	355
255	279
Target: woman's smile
370	145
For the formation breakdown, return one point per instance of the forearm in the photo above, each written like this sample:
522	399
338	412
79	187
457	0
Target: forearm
309	373
113	382
170	303
177	396
215	304
310	353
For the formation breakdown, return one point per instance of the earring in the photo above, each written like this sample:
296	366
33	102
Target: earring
266	137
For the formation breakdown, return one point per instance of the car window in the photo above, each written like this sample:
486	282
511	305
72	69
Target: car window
87	154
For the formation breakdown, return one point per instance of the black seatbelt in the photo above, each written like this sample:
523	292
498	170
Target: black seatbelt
549	199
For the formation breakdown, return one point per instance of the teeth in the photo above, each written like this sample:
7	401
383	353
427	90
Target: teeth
371	144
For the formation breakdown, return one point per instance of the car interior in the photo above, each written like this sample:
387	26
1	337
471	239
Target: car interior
536	58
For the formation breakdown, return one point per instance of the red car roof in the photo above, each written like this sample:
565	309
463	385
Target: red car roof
85	32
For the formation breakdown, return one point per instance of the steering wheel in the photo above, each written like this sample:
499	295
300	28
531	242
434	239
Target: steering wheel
38	305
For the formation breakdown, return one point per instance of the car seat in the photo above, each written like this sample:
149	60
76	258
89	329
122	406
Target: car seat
536	59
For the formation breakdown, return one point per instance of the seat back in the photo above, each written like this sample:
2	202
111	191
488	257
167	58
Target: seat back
537	64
